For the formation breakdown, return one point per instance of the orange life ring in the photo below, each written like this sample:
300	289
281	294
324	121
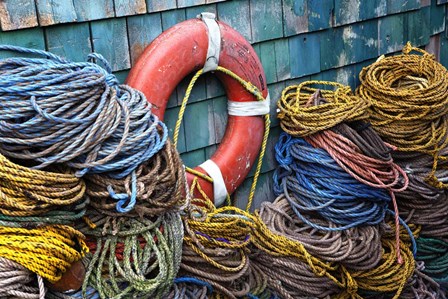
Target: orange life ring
181	50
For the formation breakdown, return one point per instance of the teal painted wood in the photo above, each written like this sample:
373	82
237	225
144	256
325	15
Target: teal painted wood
110	39
17	14
304	56
88	10
394	6
121	75
158	5
283	68
237	15
193	12
437	18
71	41
199	118
442	1
187	3
210	151
391	33
129	7
266	54
373	9
198	93
264	191
172	101
346	11
444	50
417	29
346	45
269	162
214	88
142	30
265	19
275	92
193	158
357	69
29	38
170	119
52	12
320	14
220	117
343	75
172	17
295	17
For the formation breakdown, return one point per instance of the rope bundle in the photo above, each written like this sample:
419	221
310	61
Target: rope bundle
133	256
434	253
422	286
409	103
56	111
312	181
357	248
299	118
156	187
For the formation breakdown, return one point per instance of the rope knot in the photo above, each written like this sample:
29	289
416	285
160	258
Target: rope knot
407	48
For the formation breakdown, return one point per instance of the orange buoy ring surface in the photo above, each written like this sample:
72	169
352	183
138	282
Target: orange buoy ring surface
184	49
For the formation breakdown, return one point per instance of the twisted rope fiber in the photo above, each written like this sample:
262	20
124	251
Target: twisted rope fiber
434	253
312	181
409	103
57	111
422	286
159	184
132	256
28	195
358	248
189	288
18	281
47	251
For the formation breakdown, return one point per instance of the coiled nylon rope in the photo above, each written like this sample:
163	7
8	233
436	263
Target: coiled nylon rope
409	103
434	253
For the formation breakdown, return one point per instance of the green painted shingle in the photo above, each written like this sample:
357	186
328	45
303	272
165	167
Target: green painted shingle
264	19
129	7
55	11
29	38
142	30
71	41
295	17
237	15
17	14
87	10
304	54
158	5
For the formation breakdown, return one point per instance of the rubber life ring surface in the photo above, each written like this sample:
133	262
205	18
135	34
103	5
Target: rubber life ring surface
181	50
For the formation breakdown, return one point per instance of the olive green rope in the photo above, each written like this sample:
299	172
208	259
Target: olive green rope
251	88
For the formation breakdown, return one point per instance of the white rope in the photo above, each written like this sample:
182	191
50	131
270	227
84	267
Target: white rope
219	187
214	41
251	108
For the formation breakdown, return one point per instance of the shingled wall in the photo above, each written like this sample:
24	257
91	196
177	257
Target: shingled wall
296	40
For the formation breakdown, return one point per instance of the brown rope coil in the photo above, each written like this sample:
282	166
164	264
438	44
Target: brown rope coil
409	103
160	186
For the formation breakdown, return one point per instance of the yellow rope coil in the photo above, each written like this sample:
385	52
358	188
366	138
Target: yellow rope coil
299	118
28	192
409	100
47	251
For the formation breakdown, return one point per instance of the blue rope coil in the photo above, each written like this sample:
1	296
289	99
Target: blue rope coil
313	182
56	111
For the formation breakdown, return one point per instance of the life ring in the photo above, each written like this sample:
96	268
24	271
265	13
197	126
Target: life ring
190	46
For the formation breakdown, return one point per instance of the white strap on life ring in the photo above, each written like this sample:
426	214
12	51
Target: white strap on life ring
251	108
219	187
214	41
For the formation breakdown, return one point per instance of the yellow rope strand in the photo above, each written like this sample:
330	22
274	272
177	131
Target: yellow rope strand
409	103
259	96
47	251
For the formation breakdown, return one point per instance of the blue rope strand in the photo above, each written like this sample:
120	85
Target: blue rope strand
313	181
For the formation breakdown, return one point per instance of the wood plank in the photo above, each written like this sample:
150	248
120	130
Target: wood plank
52	12
283	68
320	14
265	17
437	18
17	14
88	10
187	3
110	39
220	117
417	24
263	192
157	5
121	75
142	30
199	118
275	92
442	1
304	54
295	17
267	58
129	7
193	12
391	34
237	15
214	87
29	38
170	119
198	93
394	6
71	41
193	158
172	17
346	11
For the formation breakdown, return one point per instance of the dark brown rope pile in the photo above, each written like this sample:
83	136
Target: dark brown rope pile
160	185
